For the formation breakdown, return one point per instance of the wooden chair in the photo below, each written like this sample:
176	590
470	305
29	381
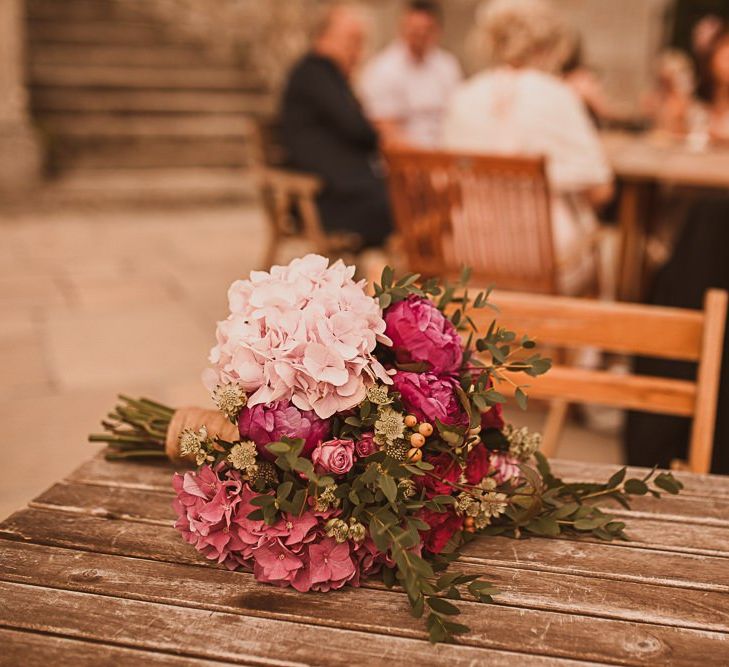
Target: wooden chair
491	213
653	331
289	197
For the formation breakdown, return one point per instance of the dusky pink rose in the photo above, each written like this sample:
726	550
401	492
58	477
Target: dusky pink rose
268	423
421	333
430	397
504	466
333	456
366	445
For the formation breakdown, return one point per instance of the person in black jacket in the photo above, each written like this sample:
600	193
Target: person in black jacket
325	132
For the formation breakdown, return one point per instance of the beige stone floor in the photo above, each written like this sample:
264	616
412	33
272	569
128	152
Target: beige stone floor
96	302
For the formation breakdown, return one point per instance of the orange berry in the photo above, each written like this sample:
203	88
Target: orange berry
415	455
425	429
410	421
417	440
470	521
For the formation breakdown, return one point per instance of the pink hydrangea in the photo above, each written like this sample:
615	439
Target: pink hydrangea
303	333
421	333
206	505
430	397
333	456
267	423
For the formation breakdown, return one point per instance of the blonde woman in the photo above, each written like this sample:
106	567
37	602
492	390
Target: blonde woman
519	106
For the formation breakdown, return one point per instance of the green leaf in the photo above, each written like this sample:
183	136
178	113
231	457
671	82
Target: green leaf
388	486
443	606
278	448
263	501
617	478
668	483
521	398
636	487
545	526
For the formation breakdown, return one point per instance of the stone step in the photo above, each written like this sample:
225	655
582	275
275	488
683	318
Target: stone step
173	186
142	126
141	32
151	153
120	55
86	10
93	76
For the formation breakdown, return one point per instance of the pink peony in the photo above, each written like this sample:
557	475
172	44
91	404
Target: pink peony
421	333
267	423
505	466
430	397
333	456
366	445
443	525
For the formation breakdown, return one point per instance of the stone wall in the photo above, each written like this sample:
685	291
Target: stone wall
19	156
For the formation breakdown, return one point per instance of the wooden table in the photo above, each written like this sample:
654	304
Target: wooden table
93	573
643	162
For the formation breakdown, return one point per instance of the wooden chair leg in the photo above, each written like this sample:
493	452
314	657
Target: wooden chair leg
553	427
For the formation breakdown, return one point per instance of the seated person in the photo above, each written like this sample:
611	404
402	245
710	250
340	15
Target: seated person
406	87
520	107
325	132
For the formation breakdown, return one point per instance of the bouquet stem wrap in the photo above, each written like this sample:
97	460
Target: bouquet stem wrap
217	425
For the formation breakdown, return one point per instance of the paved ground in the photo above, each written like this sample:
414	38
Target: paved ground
95	302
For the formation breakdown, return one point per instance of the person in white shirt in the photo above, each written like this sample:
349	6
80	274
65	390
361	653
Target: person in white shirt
519	107
406	87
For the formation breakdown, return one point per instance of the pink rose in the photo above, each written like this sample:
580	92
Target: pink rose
366	446
430	397
334	456
268	423
421	333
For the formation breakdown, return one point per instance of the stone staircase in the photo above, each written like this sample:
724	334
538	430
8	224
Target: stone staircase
131	107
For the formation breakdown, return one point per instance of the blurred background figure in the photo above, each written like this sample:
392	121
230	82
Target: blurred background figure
672	106
716	86
519	106
325	131
588	86
406	87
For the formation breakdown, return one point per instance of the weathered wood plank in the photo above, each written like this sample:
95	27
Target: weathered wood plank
132	538
705	496
253	640
119	502
31	649
714	486
185	584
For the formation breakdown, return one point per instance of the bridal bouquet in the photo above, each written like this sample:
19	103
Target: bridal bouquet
360	436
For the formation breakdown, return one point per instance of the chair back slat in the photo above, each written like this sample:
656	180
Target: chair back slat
490	213
669	333
630	392
633	329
